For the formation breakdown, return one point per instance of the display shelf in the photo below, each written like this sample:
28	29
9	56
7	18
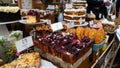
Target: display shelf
10	22
101	59
3	29
32	24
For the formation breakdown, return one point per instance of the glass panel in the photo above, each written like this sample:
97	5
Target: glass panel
51	1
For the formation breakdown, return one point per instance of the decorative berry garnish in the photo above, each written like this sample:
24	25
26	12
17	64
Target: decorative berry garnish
32	12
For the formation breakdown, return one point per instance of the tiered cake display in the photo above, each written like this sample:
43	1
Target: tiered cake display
77	4
75	16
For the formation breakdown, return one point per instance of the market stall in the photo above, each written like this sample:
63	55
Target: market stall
61	35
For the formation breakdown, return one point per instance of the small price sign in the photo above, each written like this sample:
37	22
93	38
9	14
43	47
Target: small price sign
51	7
118	36
100	15
80	20
68	6
73	0
24	43
113	17
91	23
57	26
118	33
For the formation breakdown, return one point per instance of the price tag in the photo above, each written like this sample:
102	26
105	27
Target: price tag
57	26
91	23
100	15
49	22
68	25
118	33
80	20
118	36
26	4
71	24
23	44
68	5
73	0
51	7
46	21
113	17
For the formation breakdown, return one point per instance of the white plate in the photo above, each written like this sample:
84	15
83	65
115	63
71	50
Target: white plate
24	22
9	22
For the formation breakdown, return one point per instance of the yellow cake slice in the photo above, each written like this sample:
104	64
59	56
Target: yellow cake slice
31	19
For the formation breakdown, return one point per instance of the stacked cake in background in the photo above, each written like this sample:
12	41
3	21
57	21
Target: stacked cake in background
8	13
76	16
78	4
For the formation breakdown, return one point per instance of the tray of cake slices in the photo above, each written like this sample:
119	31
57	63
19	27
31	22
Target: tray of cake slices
64	49
68	49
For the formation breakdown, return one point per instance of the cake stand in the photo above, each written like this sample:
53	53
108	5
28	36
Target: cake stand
4	32
32	25
3	29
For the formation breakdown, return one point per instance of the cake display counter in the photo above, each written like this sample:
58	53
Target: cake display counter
60	63
79	41
64	48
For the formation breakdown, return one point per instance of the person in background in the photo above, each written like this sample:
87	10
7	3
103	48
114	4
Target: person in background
98	7
117	8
